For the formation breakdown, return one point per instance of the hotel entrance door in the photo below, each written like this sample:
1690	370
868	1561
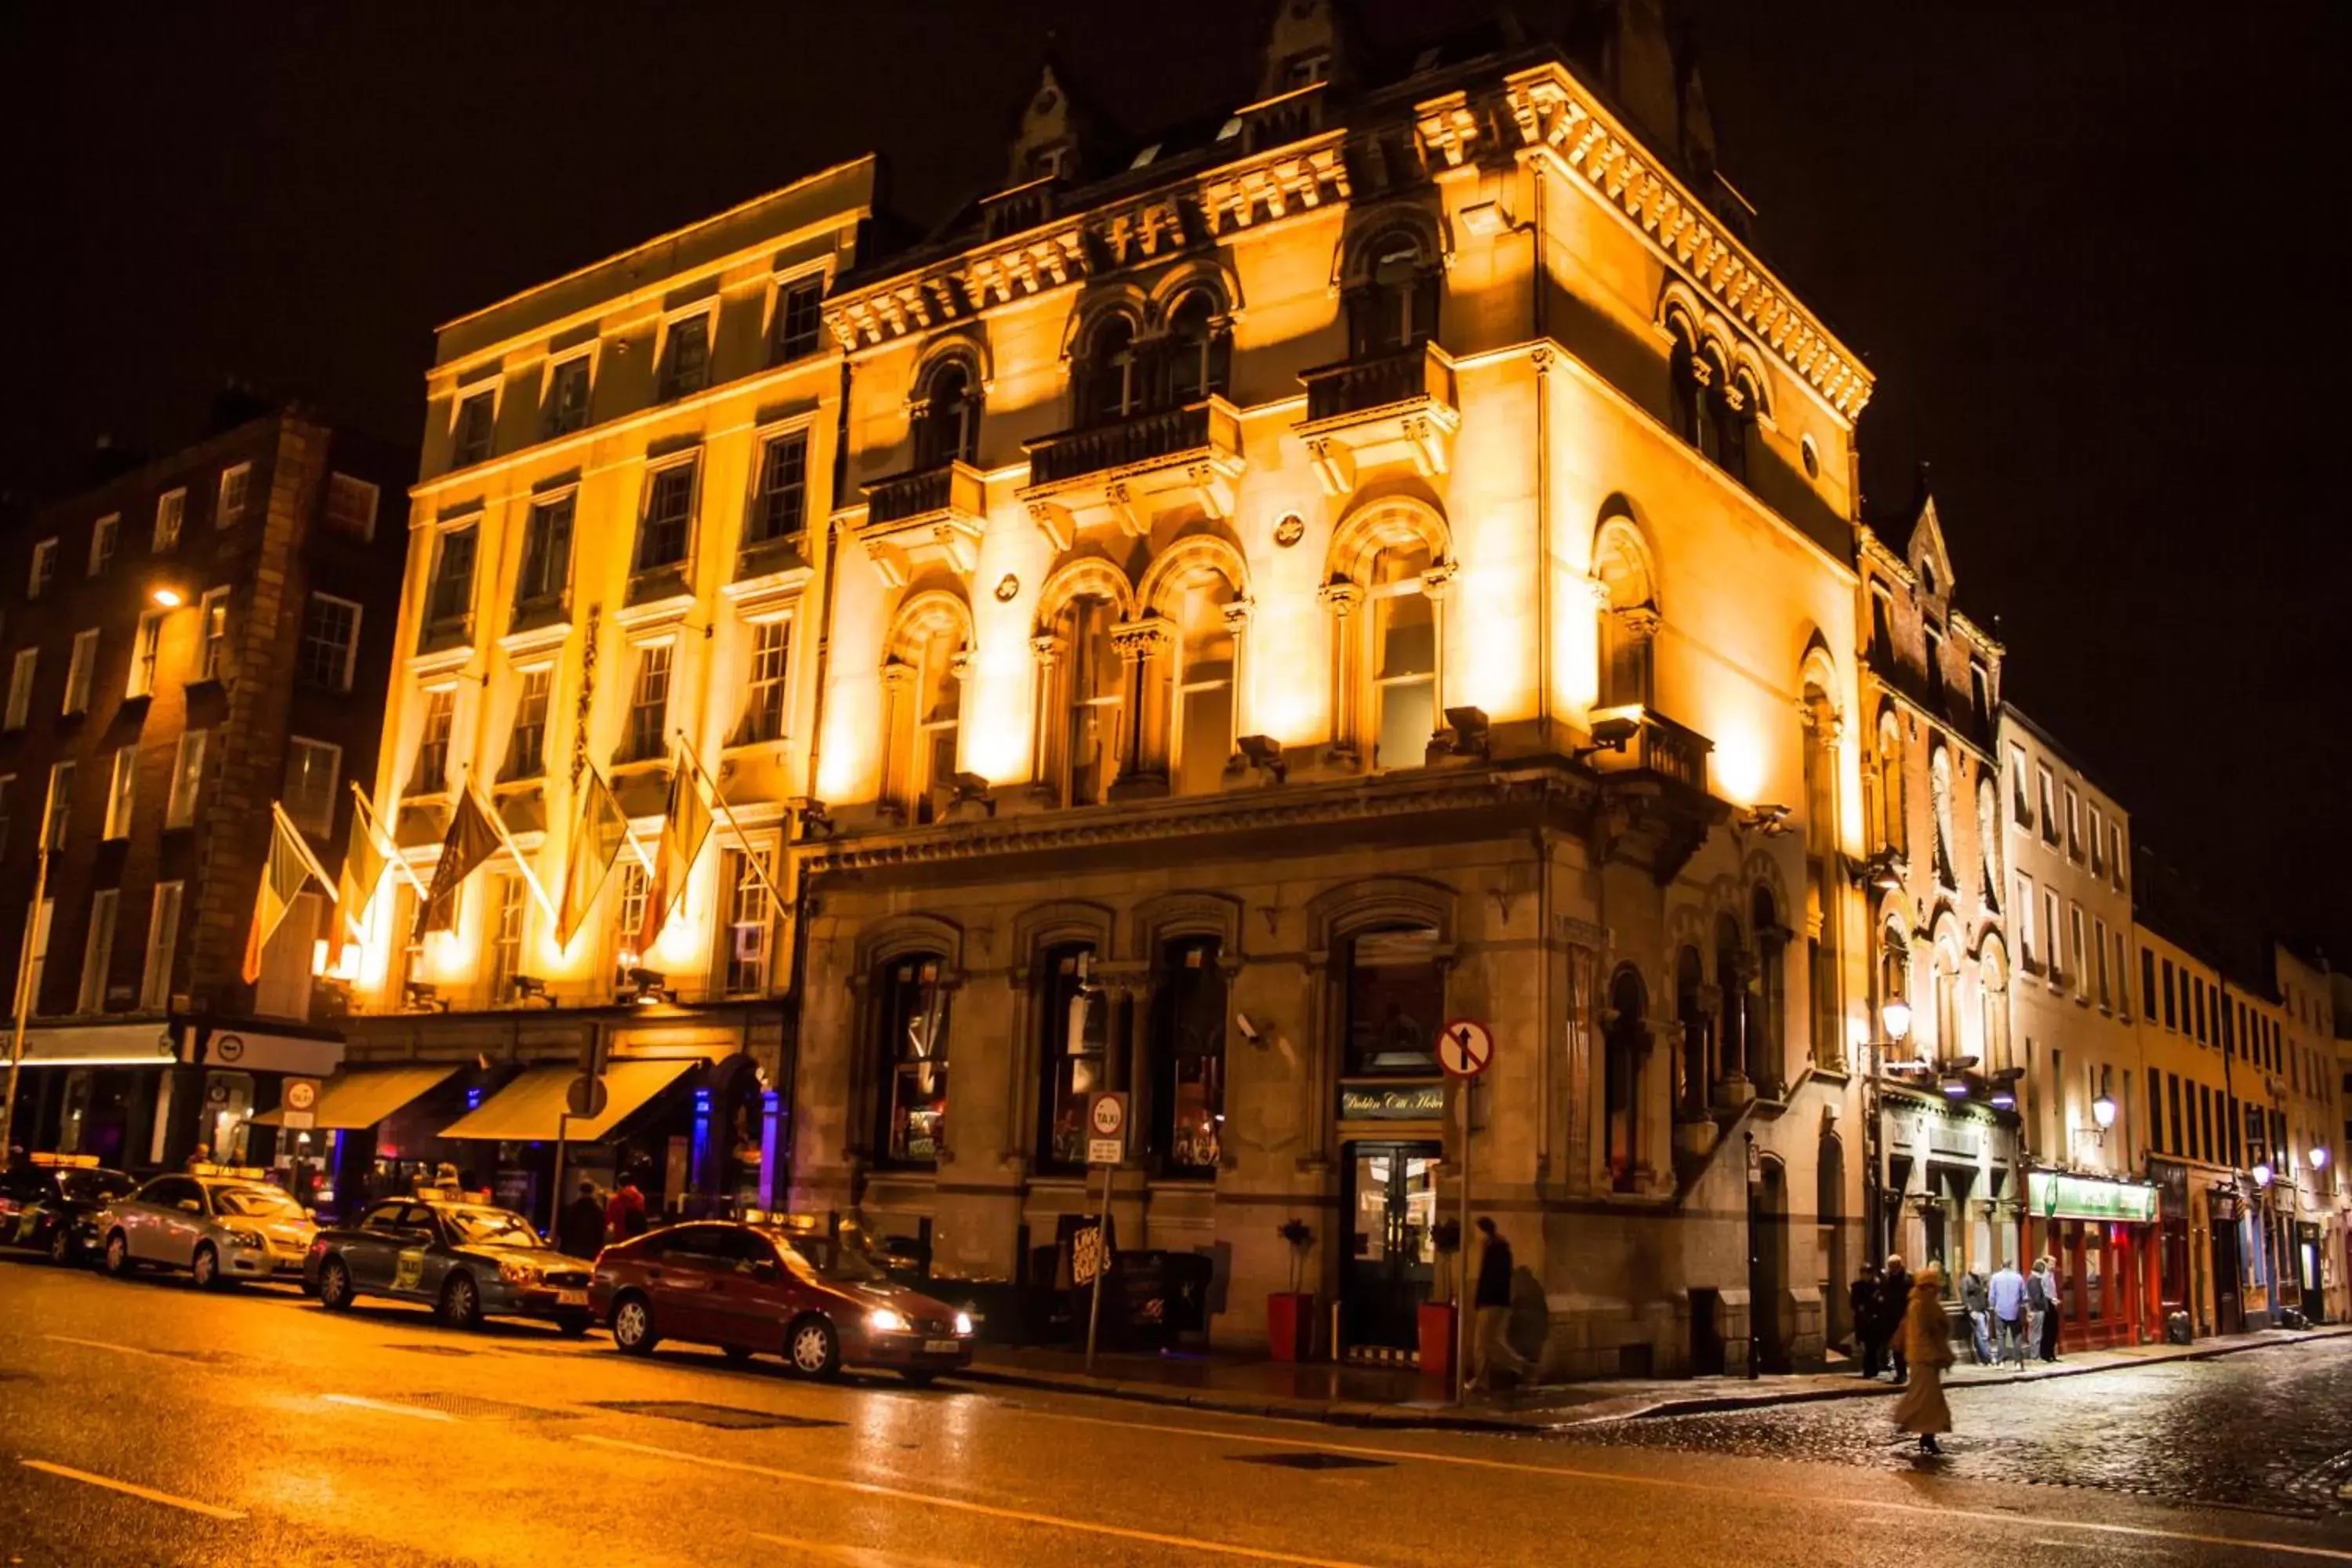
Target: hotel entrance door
1390	1261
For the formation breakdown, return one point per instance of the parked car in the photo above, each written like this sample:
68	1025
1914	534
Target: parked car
754	1289
219	1223
467	1261
52	1204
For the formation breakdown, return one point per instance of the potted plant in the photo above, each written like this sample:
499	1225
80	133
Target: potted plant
1439	1320
1290	1314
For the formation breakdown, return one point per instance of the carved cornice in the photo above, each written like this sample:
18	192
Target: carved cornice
1553	112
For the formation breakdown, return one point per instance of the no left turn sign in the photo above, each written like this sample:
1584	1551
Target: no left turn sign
1464	1047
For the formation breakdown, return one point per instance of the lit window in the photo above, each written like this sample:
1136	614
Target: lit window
567	396
1405	645
751	924
79	673
648	705
451	600
20	686
781	509
351	506
506	938
911	1011
212	653
163	936
146	652
187	779
312	770
45	569
476	427
628	917
121	792
763	705
686	358
331	642
170	508
527	745
799	321
431	775
546	572
102	534
668	526
62	786
235	482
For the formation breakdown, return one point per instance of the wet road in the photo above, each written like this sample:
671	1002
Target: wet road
143	1423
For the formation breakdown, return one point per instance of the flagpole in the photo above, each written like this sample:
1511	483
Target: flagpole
499	827
372	821
286	823
734	826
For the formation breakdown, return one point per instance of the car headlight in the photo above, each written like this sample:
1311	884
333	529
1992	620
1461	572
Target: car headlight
245	1238
515	1273
963	1323
887	1321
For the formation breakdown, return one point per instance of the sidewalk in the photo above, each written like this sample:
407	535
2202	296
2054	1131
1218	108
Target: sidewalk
1384	1396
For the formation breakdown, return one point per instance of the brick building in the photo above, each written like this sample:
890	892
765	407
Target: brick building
184	644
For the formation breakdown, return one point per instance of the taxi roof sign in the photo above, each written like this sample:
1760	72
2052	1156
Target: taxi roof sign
237	1173
68	1162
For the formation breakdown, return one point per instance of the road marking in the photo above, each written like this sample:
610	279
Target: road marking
1055	1522
387	1406
856	1556
149	1493
125	1350
1565	1472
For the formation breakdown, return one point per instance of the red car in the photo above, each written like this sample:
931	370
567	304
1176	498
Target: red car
762	1290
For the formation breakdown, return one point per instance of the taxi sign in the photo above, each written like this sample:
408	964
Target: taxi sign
297	1103
1107	1125
68	1162
1464	1047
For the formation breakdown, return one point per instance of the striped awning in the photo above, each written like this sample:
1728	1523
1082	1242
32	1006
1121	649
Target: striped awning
532	1108
365	1097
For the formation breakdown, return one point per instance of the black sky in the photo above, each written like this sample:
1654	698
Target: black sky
2089	251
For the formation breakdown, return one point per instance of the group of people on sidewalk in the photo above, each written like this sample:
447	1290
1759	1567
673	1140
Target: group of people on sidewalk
1900	1325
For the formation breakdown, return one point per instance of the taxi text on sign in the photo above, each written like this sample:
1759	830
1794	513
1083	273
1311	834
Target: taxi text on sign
1107	1129
297	1103
1464	1047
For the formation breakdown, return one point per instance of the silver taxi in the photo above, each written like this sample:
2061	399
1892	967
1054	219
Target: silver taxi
219	1223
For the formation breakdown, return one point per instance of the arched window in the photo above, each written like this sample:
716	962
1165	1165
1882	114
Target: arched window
1073	1019
1188	1045
1766	1046
923	687
911	1014
947	429
1994	1001
1629	622
1109	387
1395	1002
1204	684
1733	418
1947	1002
1989	839
1628	1047
1939	790
1822	883
1692	375
1734	976
1690	1013
1396	305
1094	700
1196	351
1404	658
1888	802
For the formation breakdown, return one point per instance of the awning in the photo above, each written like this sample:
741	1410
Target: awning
528	1109
364	1098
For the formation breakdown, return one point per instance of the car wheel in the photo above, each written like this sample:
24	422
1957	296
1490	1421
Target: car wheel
633	1325
205	1267
461	1301
573	1325
812	1348
61	1246
335	1292
116	1258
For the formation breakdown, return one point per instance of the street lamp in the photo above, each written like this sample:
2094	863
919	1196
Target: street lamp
1894	1026
2262	1173
2103	1111
168	599
2319	1156
1896	1016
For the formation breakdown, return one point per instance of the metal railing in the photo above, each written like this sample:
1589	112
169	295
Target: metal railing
1359	385
1138	438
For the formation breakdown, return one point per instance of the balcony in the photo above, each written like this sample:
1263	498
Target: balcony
1396	406
1126	470
926	514
1654	783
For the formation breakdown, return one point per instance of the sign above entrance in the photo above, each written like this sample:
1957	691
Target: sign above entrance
2056	1196
1106	1129
1464	1047
1406	1102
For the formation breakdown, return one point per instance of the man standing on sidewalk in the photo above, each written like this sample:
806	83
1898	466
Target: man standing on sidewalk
2007	1290
2044	1291
1492	1302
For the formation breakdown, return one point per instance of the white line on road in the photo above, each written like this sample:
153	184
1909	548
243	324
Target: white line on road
149	1493
387	1406
110	1345
871	1488
1566	1472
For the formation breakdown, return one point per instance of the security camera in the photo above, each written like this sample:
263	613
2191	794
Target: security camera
1249	1030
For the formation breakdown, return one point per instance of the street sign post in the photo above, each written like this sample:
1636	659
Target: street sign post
298	1104
1464	1047
1106	1146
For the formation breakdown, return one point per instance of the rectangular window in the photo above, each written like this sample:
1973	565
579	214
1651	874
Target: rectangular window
2171	1019
567	395
351	506
20	686
2073	824
799	319
2046	799
628	917
669	525
171	510
2098	845
650	704
2021	804
162	935
2122	977
2115	855
2172	1108
685	356
432	772
2099	946
2078	965
763	703
751	924
313	768
1980	692
103	535
2197	996
7	798
331	643
40	920
212	651
235	481
527	741
451	600
98	950
80	672
470	440
187	779
146	649
546	552
780	509
1882	618
2029	942
121	792
45	569
506	939
2057	935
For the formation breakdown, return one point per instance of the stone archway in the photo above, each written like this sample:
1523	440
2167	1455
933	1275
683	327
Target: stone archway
1768	1265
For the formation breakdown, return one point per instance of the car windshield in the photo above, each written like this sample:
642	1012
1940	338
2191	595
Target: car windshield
255	1203
488	1228
842	1262
93	1187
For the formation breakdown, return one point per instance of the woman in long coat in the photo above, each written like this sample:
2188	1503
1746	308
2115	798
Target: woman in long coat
1926	1340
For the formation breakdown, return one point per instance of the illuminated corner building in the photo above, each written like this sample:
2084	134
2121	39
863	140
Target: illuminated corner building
186	641
1947	1180
1381	554
618	535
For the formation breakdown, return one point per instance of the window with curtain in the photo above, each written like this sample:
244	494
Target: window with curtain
1188	1046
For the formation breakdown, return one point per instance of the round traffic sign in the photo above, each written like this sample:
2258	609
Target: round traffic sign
1108	1114
301	1094
1464	1047
586	1095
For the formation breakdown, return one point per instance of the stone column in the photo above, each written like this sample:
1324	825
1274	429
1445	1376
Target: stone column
1342	598
896	791
1143	648
1045	737
1437	585
1237	619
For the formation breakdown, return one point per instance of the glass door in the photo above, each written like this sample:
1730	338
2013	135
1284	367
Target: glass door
1391	1262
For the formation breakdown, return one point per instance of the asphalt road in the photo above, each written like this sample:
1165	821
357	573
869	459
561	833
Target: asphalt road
142	1423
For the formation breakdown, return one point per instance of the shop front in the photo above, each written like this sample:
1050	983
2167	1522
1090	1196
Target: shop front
2226	1218
354	1140
2176	1292
2103	1234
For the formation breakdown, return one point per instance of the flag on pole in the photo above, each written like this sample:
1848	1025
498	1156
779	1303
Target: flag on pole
470	841
685	825
289	868
596	841
522	862
364	864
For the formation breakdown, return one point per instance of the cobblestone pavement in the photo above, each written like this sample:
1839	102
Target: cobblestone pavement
2268	1430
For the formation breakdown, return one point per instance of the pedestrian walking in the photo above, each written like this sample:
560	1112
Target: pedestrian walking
1492	1302
579	1228
625	1217
1869	1338
2007	1291
2046	1285
1928	1342
1977	1302
1894	1304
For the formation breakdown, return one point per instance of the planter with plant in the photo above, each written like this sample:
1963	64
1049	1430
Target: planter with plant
1290	1314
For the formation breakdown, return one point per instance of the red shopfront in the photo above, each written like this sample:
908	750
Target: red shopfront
2104	1235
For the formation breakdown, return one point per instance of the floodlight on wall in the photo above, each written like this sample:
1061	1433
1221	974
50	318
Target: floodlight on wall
168	599
1611	731
1469	726
529	988
423	996
1766	819
647	986
2004	1088
1264	752
2103	1111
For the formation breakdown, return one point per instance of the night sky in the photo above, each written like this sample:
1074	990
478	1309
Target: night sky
2088	249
